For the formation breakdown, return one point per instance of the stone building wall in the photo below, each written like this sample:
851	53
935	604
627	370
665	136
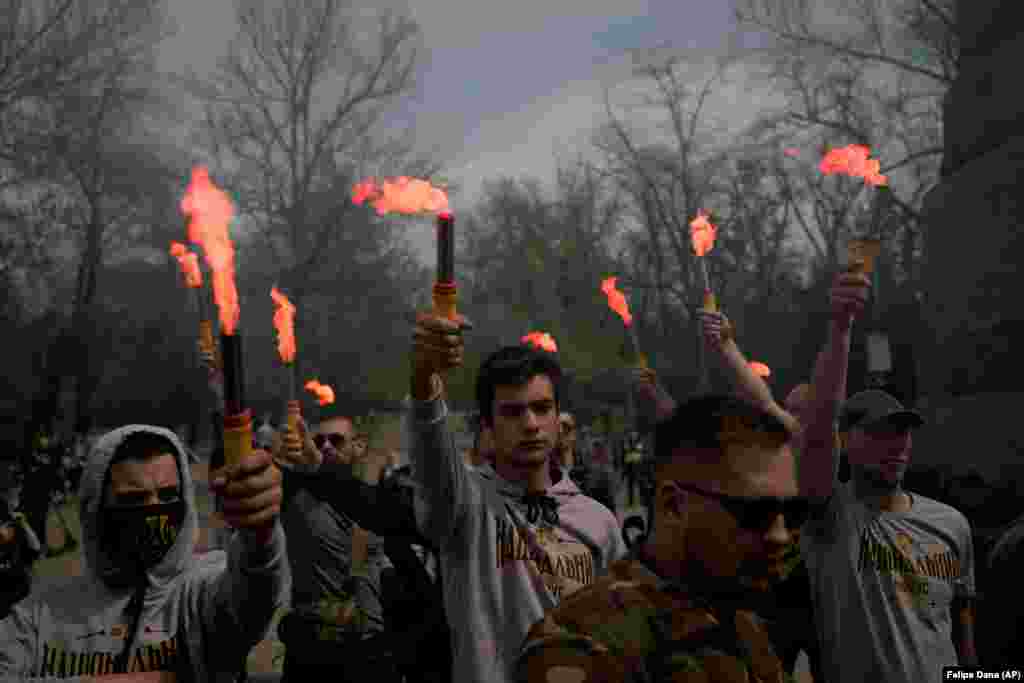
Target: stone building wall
974	289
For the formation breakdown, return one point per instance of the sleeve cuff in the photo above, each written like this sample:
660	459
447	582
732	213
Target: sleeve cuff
429	412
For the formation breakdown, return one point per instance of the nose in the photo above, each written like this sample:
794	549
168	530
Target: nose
777	533
531	421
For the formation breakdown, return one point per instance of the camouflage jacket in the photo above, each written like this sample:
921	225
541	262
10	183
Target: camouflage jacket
633	627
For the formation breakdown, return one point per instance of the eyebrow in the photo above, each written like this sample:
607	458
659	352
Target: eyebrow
523	404
137	492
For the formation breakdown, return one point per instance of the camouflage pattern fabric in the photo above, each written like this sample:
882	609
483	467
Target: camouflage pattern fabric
633	627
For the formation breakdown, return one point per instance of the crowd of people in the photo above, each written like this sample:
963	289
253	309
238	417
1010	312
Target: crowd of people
511	562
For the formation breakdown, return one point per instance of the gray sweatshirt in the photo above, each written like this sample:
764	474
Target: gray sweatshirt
500	571
200	615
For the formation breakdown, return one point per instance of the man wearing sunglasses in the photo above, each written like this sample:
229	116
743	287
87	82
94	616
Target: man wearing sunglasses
337	616
724	532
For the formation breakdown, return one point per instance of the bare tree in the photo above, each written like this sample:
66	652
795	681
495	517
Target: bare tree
874	74
669	180
294	117
91	150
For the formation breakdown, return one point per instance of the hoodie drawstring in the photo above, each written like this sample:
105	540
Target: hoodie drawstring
135	613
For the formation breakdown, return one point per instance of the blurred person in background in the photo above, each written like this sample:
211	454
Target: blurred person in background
19	545
336	620
1001	608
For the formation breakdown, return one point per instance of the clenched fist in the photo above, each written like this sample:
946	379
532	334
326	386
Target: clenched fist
849	297
309	458
716	328
437	347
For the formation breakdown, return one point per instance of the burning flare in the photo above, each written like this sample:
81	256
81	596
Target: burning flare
284	323
189	263
617	300
702	233
760	369
542	340
401	195
853	161
324	394
210	210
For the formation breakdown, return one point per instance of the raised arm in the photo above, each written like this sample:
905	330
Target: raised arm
654	403
242	599
719	337
447	486
818	459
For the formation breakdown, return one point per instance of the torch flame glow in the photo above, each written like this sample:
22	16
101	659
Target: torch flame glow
760	369
542	340
324	394
210	211
702	233
617	300
853	161
189	263
284	323
401	195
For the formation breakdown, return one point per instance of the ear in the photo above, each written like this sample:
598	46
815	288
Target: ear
671	504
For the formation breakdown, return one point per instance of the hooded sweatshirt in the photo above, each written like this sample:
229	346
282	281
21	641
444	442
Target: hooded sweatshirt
504	561
196	615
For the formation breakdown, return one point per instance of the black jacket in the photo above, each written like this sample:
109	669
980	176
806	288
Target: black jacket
413	603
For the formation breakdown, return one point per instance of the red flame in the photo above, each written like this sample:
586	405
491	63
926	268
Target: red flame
210	211
617	300
853	160
542	340
401	195
702	233
760	369
284	323
189	264
324	394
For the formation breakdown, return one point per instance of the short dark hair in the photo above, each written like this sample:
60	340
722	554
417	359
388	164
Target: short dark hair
710	422
513	366
142	445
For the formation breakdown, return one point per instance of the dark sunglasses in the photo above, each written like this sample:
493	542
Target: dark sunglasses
338	441
758	514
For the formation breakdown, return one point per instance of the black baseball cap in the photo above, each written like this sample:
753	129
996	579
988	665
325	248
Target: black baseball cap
873	408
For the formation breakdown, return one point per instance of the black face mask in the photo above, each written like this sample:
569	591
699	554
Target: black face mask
136	538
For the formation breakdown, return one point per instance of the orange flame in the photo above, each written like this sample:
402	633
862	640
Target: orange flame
210	211
189	263
401	195
324	394
702	233
617	300
284	323
542	340
853	160
760	369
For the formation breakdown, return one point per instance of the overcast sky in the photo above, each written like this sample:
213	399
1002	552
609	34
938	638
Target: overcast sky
506	84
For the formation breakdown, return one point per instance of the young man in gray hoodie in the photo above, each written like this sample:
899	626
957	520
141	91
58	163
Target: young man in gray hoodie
512	545
145	608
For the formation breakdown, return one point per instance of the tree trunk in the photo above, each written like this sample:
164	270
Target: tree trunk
84	383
